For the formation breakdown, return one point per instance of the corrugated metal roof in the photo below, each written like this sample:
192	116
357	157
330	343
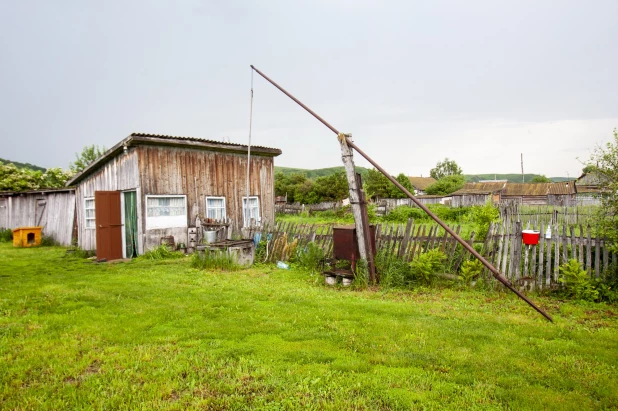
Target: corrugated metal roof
421	183
203	140
539	189
480	188
564	187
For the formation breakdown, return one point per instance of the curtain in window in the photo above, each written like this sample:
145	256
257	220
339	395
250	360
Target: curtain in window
215	208
166	206
130	223
254	209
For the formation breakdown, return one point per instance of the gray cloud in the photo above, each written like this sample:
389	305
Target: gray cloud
414	82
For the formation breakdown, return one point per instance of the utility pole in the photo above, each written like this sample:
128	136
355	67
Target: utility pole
523	179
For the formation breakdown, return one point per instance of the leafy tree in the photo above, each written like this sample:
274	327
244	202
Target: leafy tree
604	164
395	192
87	156
446	185
540	179
445	168
331	188
588	169
22	179
376	185
296	186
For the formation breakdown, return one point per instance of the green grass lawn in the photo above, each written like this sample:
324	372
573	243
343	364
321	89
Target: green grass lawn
161	335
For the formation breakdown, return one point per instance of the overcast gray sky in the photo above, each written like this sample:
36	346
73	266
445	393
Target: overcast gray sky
476	81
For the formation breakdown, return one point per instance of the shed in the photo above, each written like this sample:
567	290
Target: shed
560	193
51	209
478	193
150	186
420	184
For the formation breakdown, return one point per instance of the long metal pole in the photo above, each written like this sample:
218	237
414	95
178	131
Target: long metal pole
422	206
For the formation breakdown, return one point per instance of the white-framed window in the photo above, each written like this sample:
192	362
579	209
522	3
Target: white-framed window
254	209
89	221
166	211
215	208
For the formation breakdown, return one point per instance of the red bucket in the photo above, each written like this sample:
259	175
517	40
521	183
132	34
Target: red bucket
530	237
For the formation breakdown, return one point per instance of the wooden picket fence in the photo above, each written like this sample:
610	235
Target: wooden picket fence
527	266
538	266
407	241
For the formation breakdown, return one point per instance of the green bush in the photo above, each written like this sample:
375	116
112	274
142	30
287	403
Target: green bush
260	251
160	253
470	269
482	216
453	214
577	282
6	235
310	258
394	272
424	268
218	260
401	214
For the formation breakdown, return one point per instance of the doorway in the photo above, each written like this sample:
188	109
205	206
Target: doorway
108	225
129	219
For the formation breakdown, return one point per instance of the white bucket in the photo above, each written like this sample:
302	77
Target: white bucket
331	279
210	236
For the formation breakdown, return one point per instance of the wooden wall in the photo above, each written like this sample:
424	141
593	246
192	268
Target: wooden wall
54	211
470	199
198	174
118	174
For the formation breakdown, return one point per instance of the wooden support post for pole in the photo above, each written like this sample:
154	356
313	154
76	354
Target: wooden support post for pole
366	230
355	195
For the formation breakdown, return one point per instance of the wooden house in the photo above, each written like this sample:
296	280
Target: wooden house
151	187
478	193
420	184
589	189
559	194
51	209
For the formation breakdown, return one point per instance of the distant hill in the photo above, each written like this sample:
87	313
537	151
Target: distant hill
512	178
320	172
22	165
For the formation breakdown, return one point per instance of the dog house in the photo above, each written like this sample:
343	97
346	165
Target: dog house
26	236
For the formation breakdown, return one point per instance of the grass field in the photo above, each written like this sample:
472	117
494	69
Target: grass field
160	335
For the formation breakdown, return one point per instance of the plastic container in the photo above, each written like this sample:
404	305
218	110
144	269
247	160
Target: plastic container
530	237
283	265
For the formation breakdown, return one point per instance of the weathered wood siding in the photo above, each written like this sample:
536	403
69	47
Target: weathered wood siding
54	211
470	199
118	174
198	174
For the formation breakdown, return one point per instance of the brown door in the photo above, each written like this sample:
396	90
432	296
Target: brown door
109	224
